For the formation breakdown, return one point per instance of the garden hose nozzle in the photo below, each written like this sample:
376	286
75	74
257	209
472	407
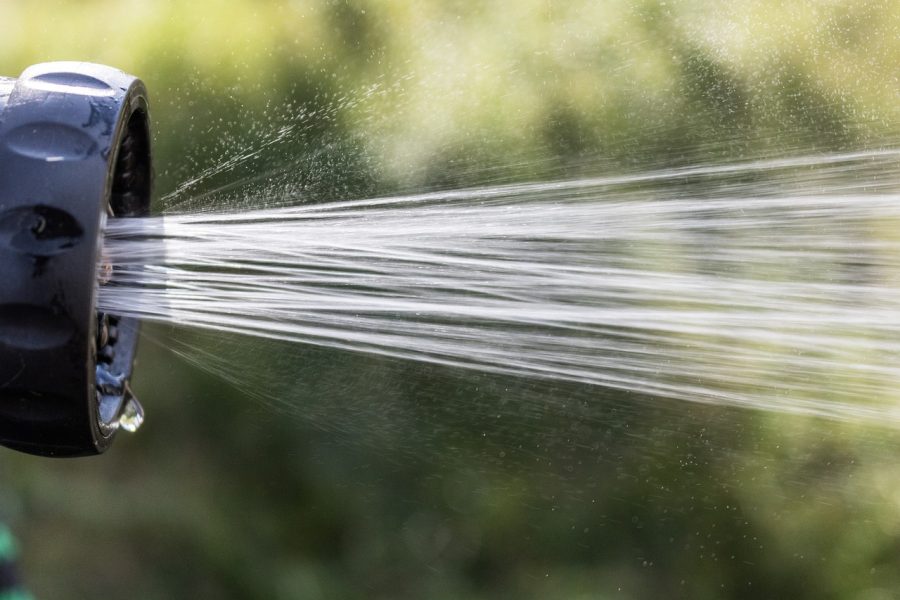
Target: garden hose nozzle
74	151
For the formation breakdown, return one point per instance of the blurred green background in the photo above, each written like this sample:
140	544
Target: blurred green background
270	471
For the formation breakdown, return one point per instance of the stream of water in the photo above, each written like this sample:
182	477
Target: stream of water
771	284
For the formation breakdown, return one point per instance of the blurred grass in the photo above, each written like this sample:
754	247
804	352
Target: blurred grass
391	480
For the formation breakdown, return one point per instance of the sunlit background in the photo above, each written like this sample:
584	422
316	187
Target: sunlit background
266	470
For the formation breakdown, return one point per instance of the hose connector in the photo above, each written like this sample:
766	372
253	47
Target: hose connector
74	151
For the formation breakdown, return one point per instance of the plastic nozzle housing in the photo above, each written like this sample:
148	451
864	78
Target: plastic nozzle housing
74	150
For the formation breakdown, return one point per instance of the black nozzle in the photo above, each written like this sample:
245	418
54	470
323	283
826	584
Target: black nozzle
74	151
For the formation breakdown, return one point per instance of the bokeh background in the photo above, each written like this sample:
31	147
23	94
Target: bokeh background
273	471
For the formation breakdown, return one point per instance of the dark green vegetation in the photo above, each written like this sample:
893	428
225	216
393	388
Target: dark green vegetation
334	475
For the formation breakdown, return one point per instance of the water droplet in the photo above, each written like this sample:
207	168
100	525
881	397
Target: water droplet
132	415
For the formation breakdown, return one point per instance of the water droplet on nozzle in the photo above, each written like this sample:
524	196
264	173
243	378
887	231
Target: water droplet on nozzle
132	414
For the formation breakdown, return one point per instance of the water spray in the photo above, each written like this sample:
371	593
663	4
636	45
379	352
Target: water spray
770	284
74	151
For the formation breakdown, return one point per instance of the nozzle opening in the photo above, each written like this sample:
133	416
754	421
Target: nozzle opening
132	177
116	336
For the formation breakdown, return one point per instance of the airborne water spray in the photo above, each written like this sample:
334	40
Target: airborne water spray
74	151
772	284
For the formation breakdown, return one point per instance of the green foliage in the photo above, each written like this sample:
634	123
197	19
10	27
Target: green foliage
332	475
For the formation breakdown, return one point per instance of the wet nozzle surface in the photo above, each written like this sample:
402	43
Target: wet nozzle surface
74	151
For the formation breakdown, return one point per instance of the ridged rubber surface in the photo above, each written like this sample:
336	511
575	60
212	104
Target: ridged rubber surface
60	128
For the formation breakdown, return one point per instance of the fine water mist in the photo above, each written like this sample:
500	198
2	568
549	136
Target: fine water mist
771	284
